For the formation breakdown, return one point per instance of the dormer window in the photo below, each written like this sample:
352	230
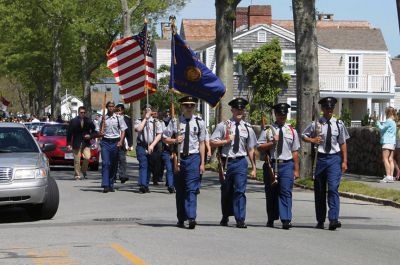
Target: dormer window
262	36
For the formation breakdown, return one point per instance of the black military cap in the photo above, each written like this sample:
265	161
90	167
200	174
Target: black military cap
145	106
188	100
328	102
281	108
120	106
238	103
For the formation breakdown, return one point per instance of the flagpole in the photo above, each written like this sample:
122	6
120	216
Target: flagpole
146	90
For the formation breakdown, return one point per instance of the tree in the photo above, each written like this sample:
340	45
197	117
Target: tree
398	12
225	15
306	71
264	70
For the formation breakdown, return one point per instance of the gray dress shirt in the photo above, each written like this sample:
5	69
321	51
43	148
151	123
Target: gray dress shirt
111	129
149	132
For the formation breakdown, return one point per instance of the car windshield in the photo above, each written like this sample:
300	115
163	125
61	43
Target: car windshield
16	140
54	130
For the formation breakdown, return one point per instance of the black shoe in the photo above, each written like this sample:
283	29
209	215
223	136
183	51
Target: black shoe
180	224
320	225
224	221
286	225
338	224
124	180
112	190
155	183
105	190
147	189
270	224
192	224
171	189
84	175
142	189
198	191
241	224
334	224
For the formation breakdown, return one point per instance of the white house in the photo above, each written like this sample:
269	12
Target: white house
69	107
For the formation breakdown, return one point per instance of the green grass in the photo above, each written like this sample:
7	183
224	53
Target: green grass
360	188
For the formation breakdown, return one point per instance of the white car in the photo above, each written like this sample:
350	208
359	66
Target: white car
25	179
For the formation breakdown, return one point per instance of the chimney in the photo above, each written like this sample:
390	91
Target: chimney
259	14
324	17
166	30
241	17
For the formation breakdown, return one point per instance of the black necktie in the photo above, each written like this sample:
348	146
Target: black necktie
328	138
186	141
280	142
237	139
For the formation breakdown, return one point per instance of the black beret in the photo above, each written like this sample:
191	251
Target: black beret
188	100
238	103
328	102
281	108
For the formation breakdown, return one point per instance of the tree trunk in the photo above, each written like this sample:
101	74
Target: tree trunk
225	15
306	72
56	86
126	16
398	12
85	75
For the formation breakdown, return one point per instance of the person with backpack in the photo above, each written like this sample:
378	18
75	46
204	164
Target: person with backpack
331	162
282	142
237	140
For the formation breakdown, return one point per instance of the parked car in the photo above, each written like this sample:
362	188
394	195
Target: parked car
34	127
25	173
56	133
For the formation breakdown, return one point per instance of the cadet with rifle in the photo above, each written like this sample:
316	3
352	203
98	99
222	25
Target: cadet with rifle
331	162
190	160
282	142
240	143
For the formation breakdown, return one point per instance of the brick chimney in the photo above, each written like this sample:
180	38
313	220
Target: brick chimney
241	17
259	14
324	17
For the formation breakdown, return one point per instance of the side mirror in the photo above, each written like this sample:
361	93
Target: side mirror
48	147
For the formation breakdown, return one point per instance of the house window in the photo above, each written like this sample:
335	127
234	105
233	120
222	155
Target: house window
74	104
237	67
293	108
262	36
353	71
289	61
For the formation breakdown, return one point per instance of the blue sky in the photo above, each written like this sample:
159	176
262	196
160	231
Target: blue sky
381	14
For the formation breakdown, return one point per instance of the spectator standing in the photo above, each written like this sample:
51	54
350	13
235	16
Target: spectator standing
388	142
80	131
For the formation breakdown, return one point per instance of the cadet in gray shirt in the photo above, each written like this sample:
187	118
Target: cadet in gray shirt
282	142
240	142
113	138
149	134
192	133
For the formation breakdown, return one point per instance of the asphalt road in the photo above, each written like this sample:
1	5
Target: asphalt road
126	227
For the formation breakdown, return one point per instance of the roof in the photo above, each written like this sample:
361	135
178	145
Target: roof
396	70
367	39
166	44
198	29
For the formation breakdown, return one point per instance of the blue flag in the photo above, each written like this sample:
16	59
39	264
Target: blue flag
192	77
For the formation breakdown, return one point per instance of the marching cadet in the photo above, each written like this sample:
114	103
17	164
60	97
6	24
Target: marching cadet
113	138
240	143
331	162
166	155
282	142
192	133
127	146
149	134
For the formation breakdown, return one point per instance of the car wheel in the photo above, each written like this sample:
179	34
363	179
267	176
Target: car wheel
94	167
49	208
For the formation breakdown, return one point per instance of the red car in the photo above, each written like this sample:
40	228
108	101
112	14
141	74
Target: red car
56	133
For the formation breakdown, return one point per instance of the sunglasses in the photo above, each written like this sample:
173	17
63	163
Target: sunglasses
82	112
189	105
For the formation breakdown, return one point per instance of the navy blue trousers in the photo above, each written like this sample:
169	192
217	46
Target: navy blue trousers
109	163
279	196
233	197
328	171
144	172
169	173
186	184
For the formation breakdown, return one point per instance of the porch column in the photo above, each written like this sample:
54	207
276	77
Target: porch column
369	106
340	106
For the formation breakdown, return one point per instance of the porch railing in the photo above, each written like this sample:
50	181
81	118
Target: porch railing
360	83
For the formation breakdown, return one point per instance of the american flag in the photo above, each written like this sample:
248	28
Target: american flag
133	71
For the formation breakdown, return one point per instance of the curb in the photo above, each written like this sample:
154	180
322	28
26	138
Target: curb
360	197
